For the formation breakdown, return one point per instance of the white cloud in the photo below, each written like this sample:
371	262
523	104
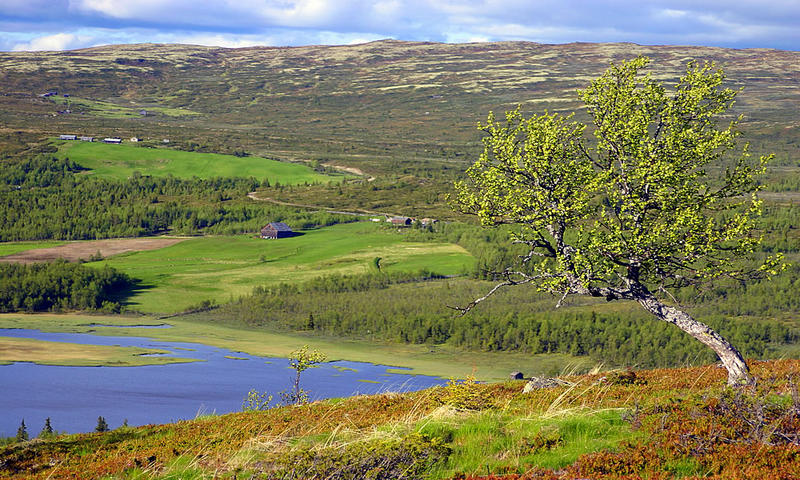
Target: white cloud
130	9
218	40
277	38
336	38
744	23
670	13
59	41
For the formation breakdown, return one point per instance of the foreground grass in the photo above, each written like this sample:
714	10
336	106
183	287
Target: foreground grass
120	161
649	425
222	268
412	359
78	355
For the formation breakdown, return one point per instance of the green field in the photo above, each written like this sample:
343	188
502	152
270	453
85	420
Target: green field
220	268
9	248
120	161
418	359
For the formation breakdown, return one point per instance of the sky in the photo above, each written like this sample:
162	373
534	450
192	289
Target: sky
71	24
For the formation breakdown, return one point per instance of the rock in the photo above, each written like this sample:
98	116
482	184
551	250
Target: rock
537	383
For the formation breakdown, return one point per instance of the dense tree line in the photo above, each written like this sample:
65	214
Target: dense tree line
59	285
46	198
338	283
518	320
765	298
493	251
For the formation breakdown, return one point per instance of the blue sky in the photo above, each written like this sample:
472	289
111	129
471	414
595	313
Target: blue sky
70	24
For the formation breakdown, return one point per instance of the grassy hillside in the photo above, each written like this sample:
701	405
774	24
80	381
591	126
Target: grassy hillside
121	161
622	425
220	268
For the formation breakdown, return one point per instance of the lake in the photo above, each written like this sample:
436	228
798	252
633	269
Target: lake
73	397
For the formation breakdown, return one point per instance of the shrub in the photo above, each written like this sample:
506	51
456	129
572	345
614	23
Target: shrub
408	457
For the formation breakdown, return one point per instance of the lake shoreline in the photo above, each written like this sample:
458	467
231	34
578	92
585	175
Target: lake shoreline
212	380
422	359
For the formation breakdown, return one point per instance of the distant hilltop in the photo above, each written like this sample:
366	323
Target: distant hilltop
383	98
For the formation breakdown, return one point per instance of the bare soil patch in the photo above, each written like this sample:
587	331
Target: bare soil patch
75	251
353	170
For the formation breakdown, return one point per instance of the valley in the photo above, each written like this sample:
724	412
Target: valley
359	151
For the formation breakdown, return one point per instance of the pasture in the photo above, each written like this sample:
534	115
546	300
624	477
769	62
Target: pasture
221	268
121	161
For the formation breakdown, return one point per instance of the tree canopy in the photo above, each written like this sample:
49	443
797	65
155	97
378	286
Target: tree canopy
657	198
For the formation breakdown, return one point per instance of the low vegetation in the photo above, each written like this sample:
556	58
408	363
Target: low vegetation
624	425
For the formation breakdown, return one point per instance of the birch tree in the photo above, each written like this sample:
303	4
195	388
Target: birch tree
639	210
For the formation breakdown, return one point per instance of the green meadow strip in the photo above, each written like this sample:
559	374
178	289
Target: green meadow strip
121	161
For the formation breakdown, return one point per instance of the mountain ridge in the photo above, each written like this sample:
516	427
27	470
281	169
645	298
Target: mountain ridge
388	97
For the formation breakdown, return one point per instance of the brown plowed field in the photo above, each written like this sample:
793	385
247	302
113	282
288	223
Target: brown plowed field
74	251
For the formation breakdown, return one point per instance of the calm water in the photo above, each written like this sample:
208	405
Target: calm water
73	397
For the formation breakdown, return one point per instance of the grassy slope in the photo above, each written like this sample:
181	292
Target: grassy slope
218	268
419	359
660	424
120	161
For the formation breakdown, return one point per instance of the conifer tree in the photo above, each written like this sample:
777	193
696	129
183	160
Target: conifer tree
22	432
102	426
47	430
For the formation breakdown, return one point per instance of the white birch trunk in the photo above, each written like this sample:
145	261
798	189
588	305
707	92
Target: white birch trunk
738	372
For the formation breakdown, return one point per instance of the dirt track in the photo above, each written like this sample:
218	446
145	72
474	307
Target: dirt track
74	251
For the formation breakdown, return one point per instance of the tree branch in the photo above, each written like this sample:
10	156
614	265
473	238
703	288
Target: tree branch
509	282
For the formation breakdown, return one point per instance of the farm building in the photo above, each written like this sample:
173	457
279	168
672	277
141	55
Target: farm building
400	221
67	137
276	230
86	139
112	140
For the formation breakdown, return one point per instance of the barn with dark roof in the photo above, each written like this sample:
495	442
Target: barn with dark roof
276	230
